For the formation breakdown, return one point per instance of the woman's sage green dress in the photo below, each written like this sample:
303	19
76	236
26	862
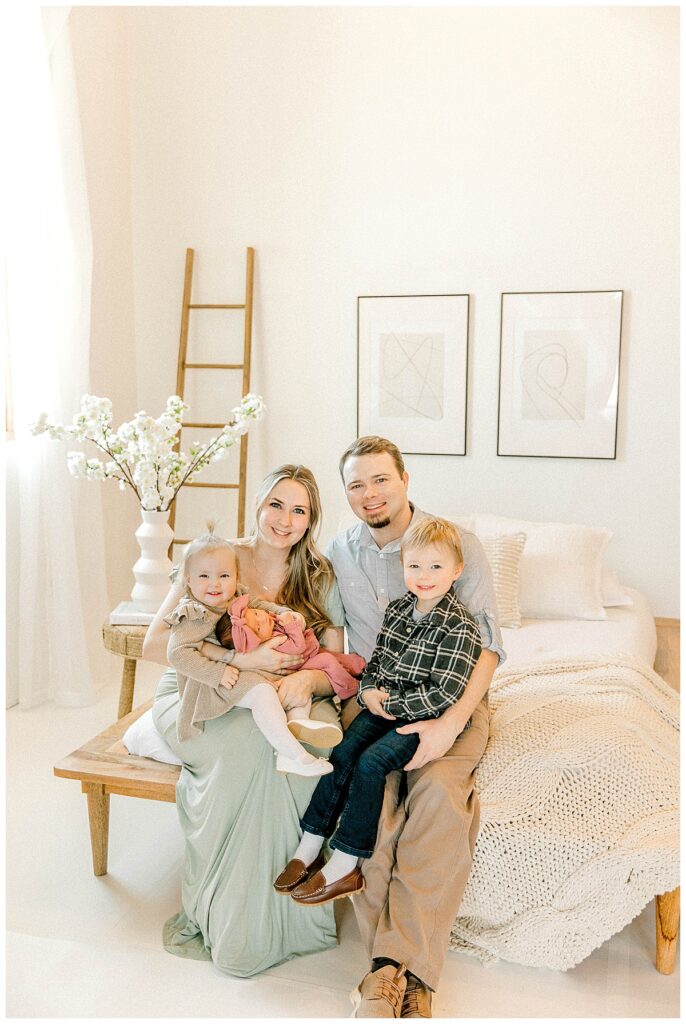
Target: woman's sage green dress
241	822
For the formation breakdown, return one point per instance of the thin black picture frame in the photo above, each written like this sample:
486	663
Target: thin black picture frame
581	291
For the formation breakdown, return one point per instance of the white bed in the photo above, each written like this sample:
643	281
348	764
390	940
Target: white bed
579	791
629	631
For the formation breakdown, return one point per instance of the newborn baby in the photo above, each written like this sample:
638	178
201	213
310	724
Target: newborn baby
246	628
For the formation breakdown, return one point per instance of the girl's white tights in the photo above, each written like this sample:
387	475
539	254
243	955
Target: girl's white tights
300	713
270	719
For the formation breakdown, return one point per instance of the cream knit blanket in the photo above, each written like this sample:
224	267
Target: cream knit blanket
579	790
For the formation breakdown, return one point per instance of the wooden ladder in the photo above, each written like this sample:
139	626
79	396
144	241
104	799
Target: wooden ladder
183	365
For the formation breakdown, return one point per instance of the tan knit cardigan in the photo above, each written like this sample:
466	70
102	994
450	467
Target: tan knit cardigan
198	677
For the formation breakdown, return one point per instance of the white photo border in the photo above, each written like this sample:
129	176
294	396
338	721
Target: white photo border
559	378
435	422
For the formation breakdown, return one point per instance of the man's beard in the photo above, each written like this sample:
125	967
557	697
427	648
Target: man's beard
379	524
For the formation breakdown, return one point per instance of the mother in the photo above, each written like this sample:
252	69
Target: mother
240	818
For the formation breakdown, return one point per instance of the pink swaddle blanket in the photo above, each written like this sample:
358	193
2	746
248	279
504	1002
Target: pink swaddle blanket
340	669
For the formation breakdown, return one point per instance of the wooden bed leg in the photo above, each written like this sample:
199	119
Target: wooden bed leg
98	821
666	930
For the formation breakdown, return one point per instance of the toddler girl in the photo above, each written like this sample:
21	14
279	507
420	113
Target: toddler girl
206	686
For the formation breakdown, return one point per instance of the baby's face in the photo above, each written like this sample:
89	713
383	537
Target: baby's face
212	577
260	622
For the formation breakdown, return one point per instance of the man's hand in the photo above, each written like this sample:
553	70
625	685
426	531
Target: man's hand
436	737
286	617
374	699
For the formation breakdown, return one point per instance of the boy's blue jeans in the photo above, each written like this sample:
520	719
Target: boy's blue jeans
371	748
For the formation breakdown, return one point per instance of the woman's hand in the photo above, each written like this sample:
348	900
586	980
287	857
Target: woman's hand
266	658
212	651
299	687
374	699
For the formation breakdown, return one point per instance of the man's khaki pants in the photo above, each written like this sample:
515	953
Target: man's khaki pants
423	856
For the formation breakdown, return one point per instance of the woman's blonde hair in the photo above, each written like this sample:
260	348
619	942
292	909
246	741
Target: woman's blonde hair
209	541
432	530
309	574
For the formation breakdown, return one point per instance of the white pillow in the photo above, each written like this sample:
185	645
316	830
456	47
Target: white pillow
504	554
561	566
614	594
143	739
461	521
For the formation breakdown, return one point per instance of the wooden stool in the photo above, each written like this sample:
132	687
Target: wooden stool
127	641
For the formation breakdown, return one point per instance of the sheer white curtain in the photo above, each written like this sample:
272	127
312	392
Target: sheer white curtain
59	601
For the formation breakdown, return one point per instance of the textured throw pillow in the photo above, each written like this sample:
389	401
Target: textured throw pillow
504	553
614	594
561	566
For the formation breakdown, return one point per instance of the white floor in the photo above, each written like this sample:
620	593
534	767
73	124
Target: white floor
80	946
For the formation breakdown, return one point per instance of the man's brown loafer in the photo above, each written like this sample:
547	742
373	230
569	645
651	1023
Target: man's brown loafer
296	872
380	993
417	999
315	889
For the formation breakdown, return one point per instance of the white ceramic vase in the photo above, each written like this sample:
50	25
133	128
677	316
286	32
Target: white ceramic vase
152	569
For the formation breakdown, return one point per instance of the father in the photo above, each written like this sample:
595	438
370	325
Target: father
419	870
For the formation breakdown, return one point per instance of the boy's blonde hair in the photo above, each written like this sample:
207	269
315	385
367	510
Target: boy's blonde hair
209	541
432	530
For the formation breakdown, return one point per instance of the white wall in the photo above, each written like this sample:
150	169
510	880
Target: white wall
101	68
410	150
12	512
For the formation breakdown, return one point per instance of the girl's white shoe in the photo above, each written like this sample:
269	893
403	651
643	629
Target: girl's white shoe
317	734
289	765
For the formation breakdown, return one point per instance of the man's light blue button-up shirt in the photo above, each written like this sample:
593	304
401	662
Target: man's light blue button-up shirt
369	577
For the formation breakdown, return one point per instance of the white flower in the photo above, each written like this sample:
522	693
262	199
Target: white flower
41	424
141	453
76	463
95	470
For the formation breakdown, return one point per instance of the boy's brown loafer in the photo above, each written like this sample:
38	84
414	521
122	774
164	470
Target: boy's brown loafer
296	872
315	889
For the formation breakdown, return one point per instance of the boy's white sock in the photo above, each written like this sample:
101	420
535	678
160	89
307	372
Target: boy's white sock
339	865
309	848
270	719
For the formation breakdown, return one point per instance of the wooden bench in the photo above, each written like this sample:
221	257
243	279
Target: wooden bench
104	766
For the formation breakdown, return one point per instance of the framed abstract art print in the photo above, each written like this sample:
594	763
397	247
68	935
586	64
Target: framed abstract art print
559	374
412	371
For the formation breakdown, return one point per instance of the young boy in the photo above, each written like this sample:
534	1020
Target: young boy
424	656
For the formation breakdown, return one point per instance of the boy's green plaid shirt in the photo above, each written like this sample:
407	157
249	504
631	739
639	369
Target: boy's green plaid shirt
424	665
